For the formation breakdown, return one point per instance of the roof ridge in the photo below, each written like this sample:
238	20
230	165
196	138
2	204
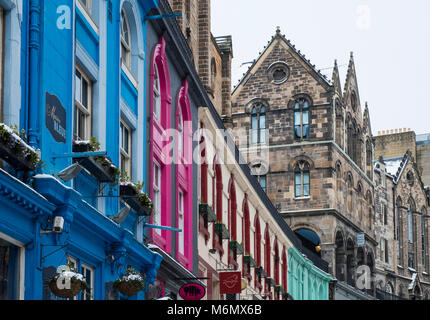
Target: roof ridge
278	35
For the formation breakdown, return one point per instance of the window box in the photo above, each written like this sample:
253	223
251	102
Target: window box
15	151
137	200
221	229
261	272
279	289
100	166
206	211
249	260
234	245
103	171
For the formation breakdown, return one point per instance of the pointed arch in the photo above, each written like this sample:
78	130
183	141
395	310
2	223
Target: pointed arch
184	173
160	163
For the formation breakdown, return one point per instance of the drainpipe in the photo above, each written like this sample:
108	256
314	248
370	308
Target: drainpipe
34	52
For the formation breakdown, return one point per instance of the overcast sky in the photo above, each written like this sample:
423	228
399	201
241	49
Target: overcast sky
390	40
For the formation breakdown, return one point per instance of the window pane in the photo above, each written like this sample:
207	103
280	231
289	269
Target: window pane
306	131
254	136
263	182
126	139
262	121
305	117
121	136
297	131
254	122
85	93
306	177
306	190
297	106
78	95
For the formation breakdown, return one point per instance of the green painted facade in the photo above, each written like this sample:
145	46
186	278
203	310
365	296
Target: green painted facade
305	280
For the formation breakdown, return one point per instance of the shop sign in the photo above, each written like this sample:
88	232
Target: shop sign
192	291
230	282
55	118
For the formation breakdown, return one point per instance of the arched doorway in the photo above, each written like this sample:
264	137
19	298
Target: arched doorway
340	257
310	240
350	263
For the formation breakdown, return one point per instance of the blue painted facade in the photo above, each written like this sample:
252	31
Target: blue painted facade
55	37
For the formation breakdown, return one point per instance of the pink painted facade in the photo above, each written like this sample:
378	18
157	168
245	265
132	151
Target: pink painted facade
184	174
158	156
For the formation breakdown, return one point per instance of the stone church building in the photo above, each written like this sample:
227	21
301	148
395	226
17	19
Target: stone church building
310	142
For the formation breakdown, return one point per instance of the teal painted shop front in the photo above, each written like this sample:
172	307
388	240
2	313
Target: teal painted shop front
305	280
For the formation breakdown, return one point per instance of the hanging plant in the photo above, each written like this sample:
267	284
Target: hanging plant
15	150
77	284
131	283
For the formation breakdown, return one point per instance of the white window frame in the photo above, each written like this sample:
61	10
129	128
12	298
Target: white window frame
156	94
88	6
180	133
123	153
74	262
181	222
125	61
156	186
87	111
85	267
20	283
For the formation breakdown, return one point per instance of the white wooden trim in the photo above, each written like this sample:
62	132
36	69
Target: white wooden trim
88	17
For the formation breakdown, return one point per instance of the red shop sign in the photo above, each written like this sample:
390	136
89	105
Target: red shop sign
230	282
192	291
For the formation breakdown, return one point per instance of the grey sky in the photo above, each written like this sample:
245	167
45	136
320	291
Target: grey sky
390	40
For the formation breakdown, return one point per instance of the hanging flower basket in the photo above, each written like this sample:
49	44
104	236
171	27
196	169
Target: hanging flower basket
131	283
77	284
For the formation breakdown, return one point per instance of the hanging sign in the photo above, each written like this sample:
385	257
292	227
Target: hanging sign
192	291
55	118
230	282
360	239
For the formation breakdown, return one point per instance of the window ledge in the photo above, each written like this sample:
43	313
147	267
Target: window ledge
400	267
130	76
425	273
301	198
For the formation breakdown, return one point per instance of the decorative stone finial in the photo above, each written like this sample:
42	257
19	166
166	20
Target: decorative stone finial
278	29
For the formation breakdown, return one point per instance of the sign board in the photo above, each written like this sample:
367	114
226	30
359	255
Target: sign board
360	239
230	282
55	118
192	291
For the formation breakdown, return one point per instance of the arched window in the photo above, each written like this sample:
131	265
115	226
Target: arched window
258	124
203	178
301	119
411	208
156	94
125	40
180	133
184	174
257	250
424	237
354	101
267	255
360	201
217	204
232	206
213	73
370	217
350	192
161	181
284	269
369	158
277	260
301	179
399	231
